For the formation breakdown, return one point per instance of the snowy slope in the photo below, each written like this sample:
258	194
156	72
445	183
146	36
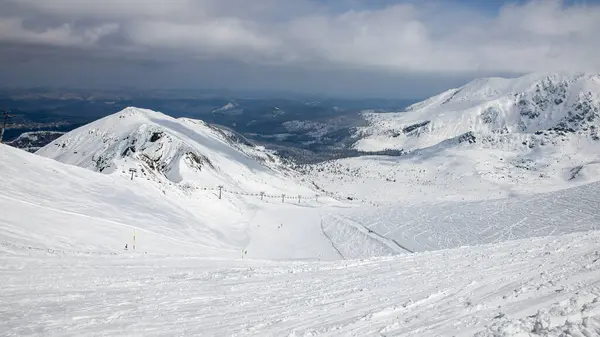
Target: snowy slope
57	206
183	151
454	174
542	287
241	265
50	205
64	270
445	225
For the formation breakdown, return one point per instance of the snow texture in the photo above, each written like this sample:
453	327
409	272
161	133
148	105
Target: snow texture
535	287
454	224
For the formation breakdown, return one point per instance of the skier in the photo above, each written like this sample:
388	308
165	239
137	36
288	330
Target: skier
125	246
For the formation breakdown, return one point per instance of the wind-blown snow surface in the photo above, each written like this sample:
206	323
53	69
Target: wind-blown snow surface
453	224
539	287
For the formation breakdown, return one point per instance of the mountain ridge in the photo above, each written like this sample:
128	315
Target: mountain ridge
170	150
530	104
34	140
491	138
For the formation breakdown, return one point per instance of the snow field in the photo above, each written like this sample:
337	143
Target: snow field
534	287
447	225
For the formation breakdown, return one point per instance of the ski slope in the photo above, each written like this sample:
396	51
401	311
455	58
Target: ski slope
444	225
65	272
50	205
535	287
57	206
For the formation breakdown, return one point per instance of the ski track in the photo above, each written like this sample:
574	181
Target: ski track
288	232
485	290
454	224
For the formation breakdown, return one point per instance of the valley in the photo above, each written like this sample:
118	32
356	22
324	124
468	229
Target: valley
306	128
482	223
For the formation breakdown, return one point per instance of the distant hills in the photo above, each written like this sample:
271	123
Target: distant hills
328	123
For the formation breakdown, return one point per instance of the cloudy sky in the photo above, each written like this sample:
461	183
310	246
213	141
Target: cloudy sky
354	48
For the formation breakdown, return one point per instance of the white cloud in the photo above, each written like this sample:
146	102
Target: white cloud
12	30
211	36
536	36
112	9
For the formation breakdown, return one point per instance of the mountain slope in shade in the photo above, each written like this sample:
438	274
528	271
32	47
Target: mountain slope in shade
173	151
34	140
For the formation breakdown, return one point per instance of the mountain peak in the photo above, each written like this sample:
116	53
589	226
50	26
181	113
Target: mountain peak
554	116
484	89
168	150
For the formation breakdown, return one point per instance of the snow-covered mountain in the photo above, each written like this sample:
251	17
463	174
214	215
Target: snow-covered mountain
526	112
51	205
227	107
182	151
491	138
34	140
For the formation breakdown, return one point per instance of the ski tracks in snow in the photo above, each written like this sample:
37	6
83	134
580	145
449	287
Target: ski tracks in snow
548	284
82	218
354	240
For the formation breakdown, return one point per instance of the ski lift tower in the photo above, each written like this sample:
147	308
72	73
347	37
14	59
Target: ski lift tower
132	171
5	120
